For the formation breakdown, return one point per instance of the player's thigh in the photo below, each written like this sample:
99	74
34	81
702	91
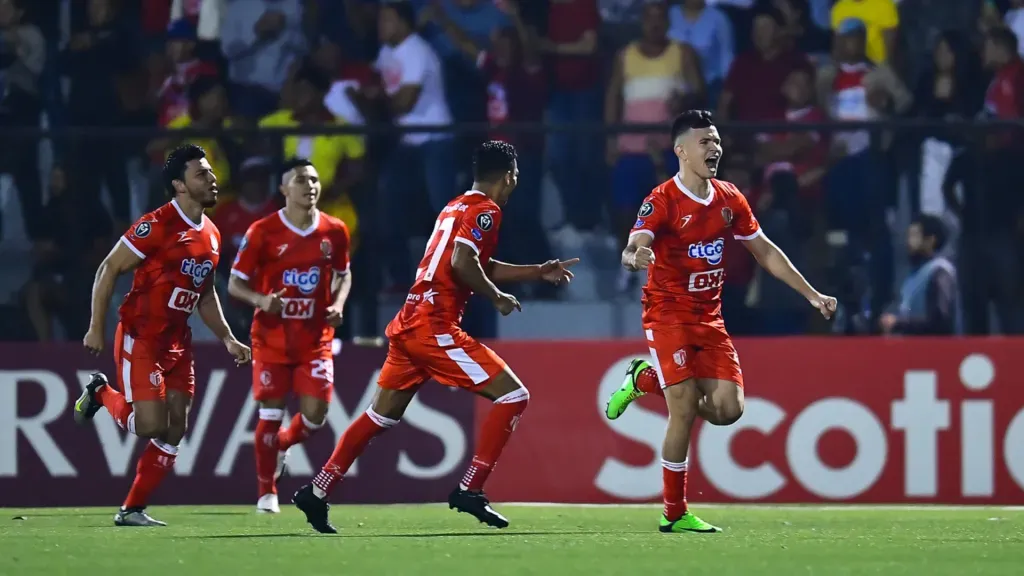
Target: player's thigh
460	361
723	400
671	354
313	383
398	381
180	382
139	375
717	358
271	382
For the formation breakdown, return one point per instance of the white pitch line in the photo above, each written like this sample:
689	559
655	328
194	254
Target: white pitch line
796	507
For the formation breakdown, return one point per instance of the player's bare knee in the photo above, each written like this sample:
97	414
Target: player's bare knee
273	403
505	384
148	427
391	404
313	410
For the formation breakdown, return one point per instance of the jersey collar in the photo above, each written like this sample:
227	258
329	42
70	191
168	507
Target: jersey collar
702	201
297	230
186	218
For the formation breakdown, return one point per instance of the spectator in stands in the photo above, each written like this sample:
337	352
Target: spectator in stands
929	299
253	201
653	79
185	67
352	80
880	20
799	32
261	39
753	88
709	32
70	248
100	62
1014	20
575	98
923	23
414	92
22	57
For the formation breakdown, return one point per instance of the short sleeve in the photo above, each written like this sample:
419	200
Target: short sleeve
340	257
414	67
479	228
652	216
744	225
144	238
247	259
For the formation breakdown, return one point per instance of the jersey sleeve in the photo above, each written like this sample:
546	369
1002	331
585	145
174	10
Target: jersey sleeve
745	225
340	257
479	227
652	216
247	259
145	237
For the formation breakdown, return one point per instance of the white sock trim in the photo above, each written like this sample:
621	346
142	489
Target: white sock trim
308	424
130	424
380	420
520	395
165	447
676	466
275	414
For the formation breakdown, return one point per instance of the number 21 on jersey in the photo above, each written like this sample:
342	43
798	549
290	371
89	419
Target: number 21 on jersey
436	247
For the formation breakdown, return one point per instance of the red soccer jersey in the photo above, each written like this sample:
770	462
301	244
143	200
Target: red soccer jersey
276	255
437	299
179	256
684	285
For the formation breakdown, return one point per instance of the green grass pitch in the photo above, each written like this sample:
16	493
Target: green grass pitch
555	540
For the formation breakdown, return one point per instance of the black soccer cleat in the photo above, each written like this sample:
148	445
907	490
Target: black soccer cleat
476	505
87	405
315	510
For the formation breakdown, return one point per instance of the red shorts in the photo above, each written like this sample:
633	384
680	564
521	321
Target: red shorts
453	359
681	352
146	369
273	381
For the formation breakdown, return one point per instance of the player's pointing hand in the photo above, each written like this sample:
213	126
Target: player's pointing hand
272	303
825	304
557	271
506	303
642	258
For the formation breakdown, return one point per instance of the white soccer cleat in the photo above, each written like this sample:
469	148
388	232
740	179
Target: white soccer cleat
282	464
268	504
135	517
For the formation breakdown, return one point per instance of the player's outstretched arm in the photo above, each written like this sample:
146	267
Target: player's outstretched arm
212	315
469	271
121	259
638	254
555	271
775	261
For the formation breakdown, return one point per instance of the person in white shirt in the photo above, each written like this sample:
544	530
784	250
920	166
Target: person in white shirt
414	89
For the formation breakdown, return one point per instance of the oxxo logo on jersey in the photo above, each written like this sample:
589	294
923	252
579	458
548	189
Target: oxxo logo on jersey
197	271
297	308
711	251
306	281
184	300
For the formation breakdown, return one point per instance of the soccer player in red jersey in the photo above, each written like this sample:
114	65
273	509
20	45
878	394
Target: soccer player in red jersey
292	267
173	252
427	342
678	239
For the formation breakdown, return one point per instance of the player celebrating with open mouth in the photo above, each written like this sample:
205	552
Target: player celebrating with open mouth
679	239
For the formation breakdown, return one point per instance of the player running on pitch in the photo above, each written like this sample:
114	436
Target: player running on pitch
427	342
293	267
174	251
678	239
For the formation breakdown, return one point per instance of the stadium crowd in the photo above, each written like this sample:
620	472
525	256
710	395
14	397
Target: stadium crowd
839	201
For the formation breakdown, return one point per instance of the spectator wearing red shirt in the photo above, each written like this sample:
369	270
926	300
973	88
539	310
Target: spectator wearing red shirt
172	93
576	98
253	202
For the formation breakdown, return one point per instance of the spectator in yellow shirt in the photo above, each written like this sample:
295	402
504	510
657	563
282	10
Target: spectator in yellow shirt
879	17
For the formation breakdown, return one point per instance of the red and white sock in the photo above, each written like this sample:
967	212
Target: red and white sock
156	461
673	475
266	448
296	432
494	434
351	444
119	408
648	382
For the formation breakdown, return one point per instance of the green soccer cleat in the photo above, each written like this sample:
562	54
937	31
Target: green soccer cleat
688	523
624	396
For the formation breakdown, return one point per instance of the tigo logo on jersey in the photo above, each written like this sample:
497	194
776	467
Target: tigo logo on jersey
306	281
297	308
712	251
184	300
198	272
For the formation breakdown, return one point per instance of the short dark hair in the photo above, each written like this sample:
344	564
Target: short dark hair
177	161
293	163
690	120
932	226
404	10
1004	38
771	12
493	159
309	72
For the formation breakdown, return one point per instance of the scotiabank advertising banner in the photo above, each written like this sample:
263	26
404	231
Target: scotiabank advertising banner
827	420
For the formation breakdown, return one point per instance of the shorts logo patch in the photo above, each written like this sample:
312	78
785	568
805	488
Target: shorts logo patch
485	221
477	234
143	229
156	378
646	209
679	357
265	378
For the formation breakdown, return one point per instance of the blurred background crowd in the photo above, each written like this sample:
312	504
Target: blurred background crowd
877	141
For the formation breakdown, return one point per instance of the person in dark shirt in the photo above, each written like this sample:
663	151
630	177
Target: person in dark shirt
929	298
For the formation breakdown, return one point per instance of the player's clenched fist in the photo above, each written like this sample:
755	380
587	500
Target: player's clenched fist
506	303
825	304
240	352
272	303
93	340
642	258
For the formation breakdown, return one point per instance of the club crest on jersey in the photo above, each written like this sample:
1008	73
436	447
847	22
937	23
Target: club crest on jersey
485	221
710	251
143	229
198	272
646	209
325	248
727	216
306	280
